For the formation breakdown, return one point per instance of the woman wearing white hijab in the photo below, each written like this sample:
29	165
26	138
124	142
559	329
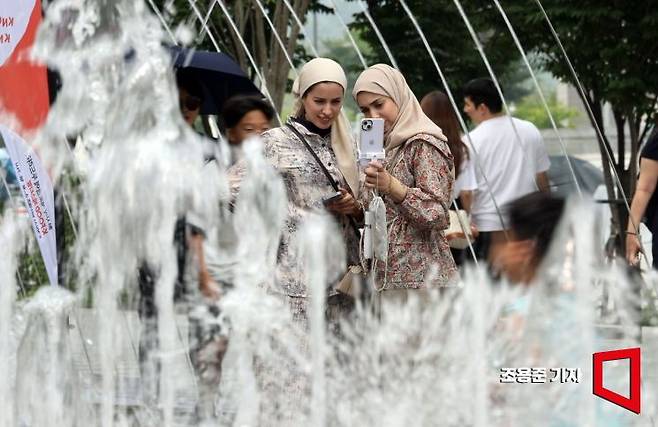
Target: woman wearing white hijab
416	184
318	119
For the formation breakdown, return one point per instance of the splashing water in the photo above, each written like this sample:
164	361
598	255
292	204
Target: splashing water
434	361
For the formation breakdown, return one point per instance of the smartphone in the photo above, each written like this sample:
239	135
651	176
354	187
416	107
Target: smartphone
331	199
371	140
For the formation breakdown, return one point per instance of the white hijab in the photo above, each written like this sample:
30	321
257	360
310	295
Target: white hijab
320	70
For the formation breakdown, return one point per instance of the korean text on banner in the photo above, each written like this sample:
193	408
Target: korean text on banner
38	194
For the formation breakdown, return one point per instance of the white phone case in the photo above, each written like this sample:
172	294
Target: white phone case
371	140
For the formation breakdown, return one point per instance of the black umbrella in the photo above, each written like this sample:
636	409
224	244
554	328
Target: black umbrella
589	176
219	75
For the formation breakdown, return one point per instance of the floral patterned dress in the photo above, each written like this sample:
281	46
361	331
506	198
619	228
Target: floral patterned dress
418	252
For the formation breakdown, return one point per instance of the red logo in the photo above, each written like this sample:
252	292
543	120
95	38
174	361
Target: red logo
633	402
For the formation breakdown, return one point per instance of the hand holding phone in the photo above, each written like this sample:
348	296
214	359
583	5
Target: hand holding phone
332	199
343	203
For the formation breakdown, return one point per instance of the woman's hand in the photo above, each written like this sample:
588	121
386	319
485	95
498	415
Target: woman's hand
633	249
346	205
210	289
474	231
207	286
377	177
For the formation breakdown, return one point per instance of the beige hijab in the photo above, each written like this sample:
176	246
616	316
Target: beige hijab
387	81
320	70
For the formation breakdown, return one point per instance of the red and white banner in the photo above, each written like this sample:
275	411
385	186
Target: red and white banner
24	96
23	84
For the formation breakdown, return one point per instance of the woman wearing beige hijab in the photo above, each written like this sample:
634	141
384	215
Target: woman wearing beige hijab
317	119
415	182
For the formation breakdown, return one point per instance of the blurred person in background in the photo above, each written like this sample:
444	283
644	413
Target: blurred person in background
437	107
194	286
190	95
512	162
243	116
533	220
644	206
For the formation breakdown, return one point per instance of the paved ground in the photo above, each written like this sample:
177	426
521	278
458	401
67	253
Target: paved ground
128	392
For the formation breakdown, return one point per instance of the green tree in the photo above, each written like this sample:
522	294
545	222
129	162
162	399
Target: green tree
450	42
613	48
254	30
342	51
532	109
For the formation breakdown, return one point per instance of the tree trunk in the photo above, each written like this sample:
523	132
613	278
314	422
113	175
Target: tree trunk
280	68
262	45
596	119
620	123
622	173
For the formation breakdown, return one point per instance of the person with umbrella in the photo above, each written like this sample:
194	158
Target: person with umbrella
190	95
218	75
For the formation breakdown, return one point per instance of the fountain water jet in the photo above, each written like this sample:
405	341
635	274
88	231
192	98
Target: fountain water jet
413	365
483	55
374	26
540	92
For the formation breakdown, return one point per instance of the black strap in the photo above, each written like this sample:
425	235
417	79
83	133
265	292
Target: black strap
331	179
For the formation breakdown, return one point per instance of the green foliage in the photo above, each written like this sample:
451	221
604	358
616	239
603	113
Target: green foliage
449	39
612	46
31	274
342	51
531	108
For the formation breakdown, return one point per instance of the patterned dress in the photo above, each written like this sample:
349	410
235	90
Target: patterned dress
306	187
418	252
284	383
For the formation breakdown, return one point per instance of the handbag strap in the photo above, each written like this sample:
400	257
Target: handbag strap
331	179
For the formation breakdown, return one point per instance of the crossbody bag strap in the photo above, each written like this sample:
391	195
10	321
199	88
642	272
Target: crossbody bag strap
331	179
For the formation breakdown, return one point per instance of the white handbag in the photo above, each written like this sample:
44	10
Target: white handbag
459	232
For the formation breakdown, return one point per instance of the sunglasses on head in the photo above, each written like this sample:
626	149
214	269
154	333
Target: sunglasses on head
191	103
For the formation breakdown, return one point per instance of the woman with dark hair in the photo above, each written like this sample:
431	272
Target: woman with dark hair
436	105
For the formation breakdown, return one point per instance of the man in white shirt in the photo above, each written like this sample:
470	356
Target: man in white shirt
510	162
